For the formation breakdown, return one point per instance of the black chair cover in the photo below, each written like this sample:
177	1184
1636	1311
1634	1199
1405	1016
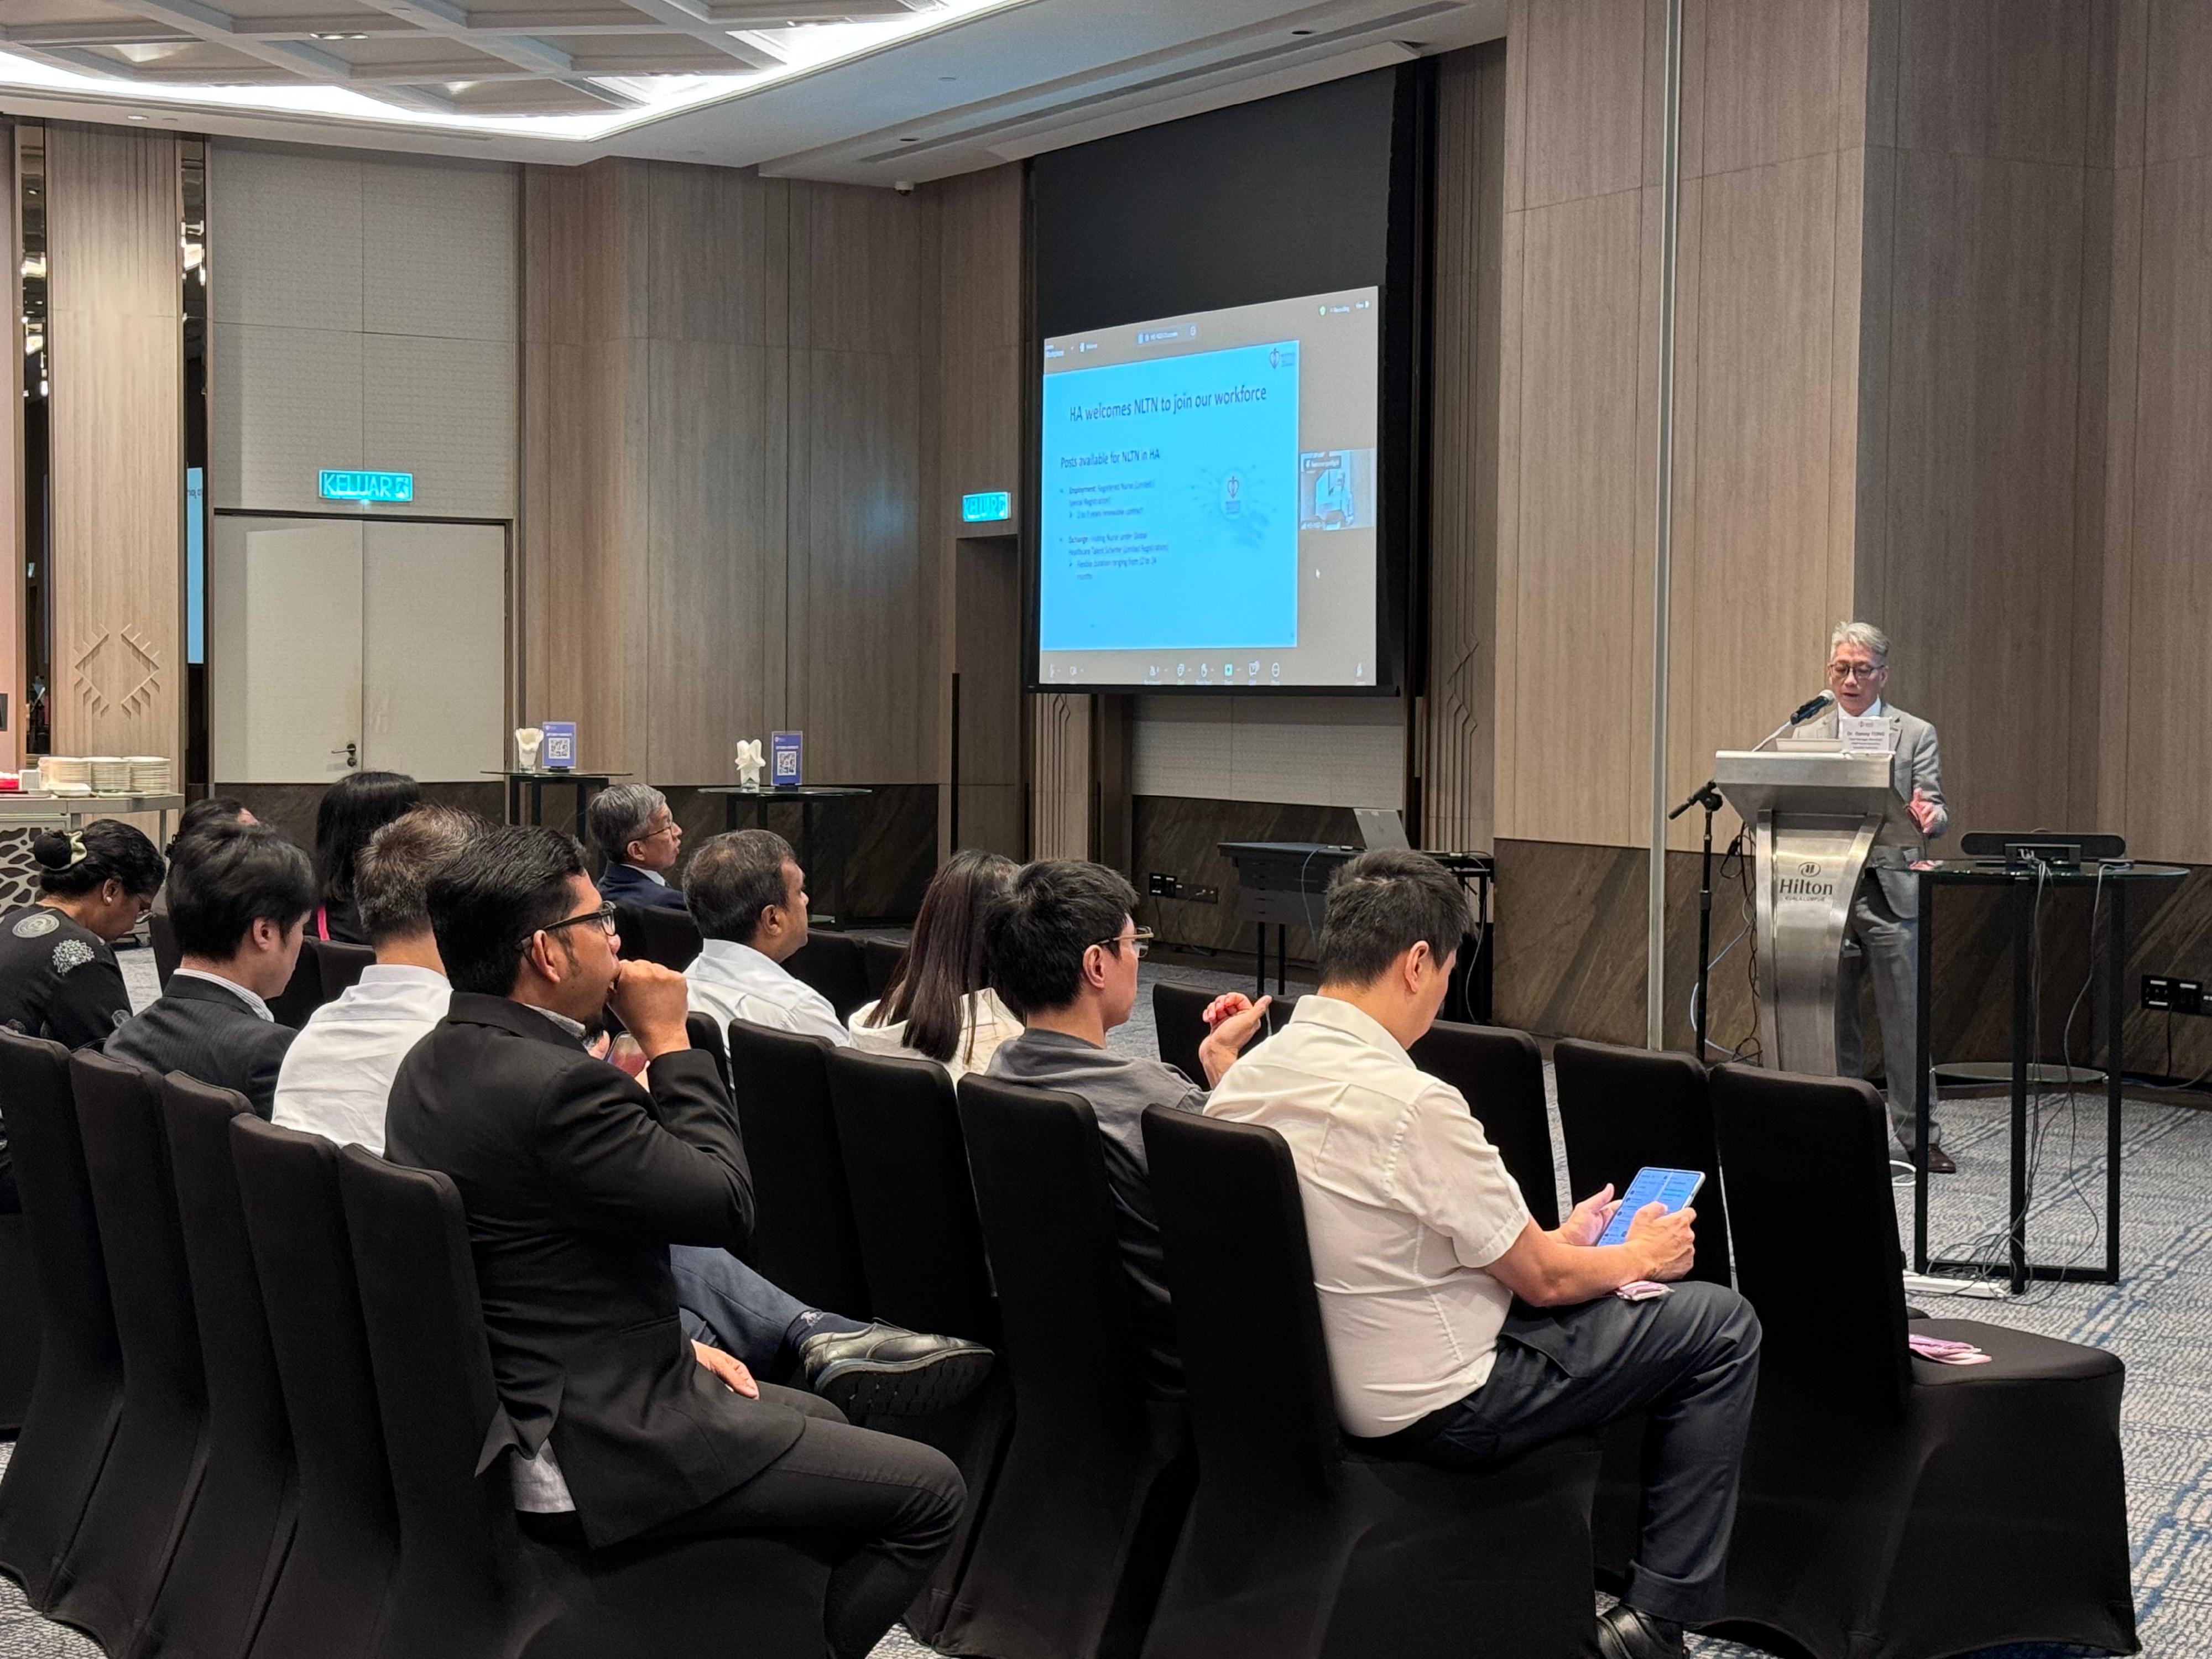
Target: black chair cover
706	1037
19	1323
651	934
880	959
803	1238
1069	1551
341	965
77	1400
329	1595
162	934
303	993
469	1583
1623	1108
921	1248
833	964
146	1489
226	1564
1296	1548
1501	1072
1894	1508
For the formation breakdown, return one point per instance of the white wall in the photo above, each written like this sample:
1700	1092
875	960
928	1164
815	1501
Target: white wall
364	313
1321	751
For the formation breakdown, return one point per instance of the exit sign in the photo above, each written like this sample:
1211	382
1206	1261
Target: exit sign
990	507
338	486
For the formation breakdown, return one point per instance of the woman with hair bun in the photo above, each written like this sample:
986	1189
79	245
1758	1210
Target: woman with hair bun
59	976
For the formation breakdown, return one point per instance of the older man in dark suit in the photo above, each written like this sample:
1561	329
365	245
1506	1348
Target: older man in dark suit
575	1180
638	835
240	896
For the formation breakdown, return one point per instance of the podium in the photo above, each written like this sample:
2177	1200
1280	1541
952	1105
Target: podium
1813	818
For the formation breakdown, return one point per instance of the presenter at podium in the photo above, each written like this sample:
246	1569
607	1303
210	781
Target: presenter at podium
1885	913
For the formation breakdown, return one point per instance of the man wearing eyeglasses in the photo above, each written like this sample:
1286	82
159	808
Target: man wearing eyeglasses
1885	913
640	839
1064	953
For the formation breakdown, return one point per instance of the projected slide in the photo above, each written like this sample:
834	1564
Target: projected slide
1207	499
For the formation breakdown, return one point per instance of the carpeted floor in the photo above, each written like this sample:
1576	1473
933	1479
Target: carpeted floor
2159	1319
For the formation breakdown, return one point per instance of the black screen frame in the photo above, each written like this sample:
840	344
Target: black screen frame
1402	515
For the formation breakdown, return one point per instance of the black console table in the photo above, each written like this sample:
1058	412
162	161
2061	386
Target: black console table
2111	882
1282	882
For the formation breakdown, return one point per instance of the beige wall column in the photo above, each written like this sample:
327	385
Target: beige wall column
118	441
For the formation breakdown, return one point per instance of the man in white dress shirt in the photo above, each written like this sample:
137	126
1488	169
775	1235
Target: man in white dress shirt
749	897
1460	1333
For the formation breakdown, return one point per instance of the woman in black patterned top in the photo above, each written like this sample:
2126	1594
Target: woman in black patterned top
59	976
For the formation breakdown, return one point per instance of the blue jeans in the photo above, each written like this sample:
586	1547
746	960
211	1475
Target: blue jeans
727	1306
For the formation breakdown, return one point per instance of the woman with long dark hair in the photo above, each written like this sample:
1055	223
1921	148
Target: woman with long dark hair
940	1003
59	975
355	808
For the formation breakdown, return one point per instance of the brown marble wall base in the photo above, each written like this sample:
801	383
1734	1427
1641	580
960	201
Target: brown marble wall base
1571	960
1180	836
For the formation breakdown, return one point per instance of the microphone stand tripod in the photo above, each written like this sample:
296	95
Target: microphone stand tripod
1708	798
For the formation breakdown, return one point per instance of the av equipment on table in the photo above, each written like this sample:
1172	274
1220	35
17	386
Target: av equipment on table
735	794
586	784
2025	878
1282	882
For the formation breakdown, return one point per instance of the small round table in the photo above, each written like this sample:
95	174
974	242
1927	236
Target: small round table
805	795
586	784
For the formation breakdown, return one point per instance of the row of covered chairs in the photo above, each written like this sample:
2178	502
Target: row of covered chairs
849	970
325	969
262	1397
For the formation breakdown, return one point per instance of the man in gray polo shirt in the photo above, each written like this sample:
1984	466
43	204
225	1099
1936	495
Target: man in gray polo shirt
1064	954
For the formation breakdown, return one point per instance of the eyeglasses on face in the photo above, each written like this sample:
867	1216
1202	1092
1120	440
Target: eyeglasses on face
1142	938
671	828
1855	670
604	915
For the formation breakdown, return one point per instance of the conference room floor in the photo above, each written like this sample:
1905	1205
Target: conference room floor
2159	1319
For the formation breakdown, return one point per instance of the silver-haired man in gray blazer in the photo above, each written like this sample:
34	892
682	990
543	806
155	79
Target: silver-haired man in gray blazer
1885	919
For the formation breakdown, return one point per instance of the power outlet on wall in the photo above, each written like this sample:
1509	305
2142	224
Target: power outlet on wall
2167	995
1160	885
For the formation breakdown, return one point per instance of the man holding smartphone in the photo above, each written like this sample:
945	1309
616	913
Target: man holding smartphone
1421	1244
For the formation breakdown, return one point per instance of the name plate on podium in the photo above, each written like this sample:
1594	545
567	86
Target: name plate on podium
1814	816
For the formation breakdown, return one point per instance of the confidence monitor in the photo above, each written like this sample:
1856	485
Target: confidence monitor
1223	488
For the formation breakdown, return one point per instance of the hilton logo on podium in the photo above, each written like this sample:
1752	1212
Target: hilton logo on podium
1805	886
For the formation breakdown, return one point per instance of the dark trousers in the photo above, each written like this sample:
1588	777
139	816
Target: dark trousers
1688	1360
887	1507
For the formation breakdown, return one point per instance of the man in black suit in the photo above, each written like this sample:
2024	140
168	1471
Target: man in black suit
240	895
576	1180
638	835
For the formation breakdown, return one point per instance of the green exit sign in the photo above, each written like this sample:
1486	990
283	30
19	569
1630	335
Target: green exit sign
337	486
990	507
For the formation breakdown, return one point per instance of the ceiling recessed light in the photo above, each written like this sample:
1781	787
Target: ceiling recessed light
948	77
134	118
338	36
909	141
1301	31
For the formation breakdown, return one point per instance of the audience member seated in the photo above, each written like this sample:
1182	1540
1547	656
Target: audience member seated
239	897
353	809
336	1081
940	1004
1421	1244
59	975
212	809
1064	954
749	897
640	839
575	1180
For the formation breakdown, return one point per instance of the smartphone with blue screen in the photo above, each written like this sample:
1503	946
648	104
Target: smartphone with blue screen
1672	1188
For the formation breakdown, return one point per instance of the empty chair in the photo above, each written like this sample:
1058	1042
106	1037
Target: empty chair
77	1399
1501	1072
833	964
1621	1110
804	1237
19	1321
329	1597
1296	1545
341	966
152	1474
1872	1475
922	1249
303	993
468	1583
241	1527
879	960
1068	1553
649	934
162	934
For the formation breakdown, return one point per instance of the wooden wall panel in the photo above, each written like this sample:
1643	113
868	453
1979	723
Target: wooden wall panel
1060	786
118	441
12	675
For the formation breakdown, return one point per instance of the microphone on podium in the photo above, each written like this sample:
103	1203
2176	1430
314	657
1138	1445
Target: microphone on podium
1810	707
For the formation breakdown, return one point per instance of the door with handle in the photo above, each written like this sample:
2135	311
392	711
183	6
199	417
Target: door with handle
284	649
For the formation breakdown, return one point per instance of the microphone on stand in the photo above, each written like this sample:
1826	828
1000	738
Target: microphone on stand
1810	707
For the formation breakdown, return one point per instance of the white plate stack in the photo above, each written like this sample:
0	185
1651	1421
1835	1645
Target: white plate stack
150	774
111	775
66	775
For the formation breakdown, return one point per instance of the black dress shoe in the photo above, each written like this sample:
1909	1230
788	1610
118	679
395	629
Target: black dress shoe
882	1371
1939	1161
1625	1633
